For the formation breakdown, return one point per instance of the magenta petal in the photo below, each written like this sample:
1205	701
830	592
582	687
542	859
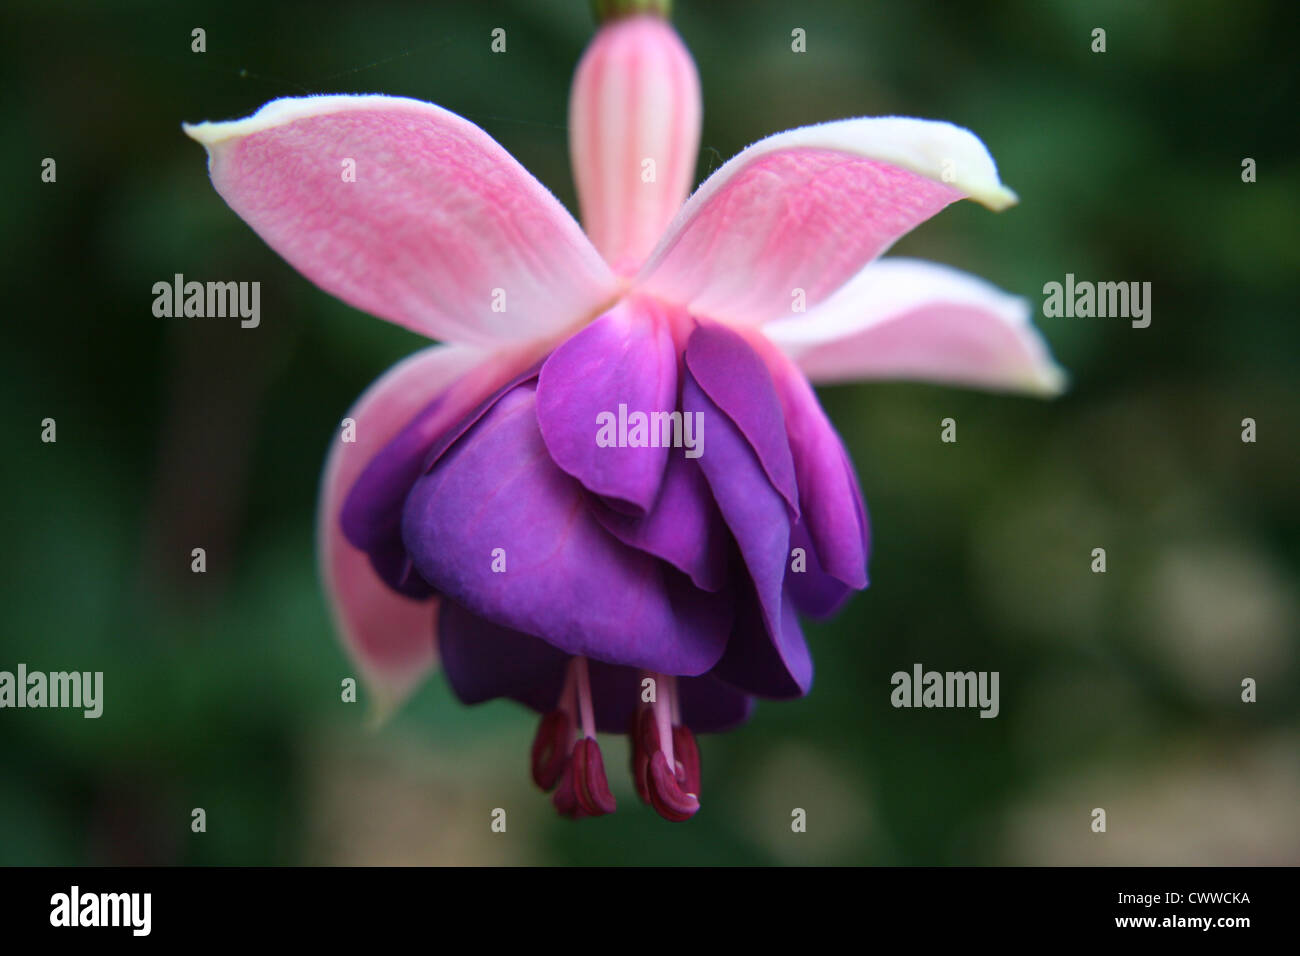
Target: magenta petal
495	496
738	382
683	528
484	661
624	361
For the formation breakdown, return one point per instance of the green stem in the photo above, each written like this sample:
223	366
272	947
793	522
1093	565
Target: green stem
606	10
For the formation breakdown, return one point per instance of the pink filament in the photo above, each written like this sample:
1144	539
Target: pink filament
579	668
663	708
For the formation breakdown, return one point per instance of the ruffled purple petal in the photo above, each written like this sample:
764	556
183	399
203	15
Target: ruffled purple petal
483	661
757	517
738	382
813	591
371	516
710	706
372	512
829	496
625	361
683	528
497	495
451	435
769	664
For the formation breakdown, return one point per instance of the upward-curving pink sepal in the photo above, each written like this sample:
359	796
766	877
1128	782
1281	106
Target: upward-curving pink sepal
411	213
789	220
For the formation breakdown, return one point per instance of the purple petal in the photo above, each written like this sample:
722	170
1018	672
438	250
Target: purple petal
813	591
372	512
371	516
625	361
829	496
768	664
710	706
683	528
757	517
738	382
566	580
453	434
484	661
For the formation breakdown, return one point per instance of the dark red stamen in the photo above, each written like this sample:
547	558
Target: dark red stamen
687	754
551	749
667	794
565	800
589	783
643	740
584	790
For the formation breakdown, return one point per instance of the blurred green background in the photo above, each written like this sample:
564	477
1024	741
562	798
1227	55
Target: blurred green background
1119	690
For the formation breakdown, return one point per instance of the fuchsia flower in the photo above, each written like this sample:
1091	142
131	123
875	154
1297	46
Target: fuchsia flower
477	504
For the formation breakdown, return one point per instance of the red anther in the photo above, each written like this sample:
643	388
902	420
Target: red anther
587	770
647	732
565	800
687	754
551	748
641	774
637	760
666	794
643	740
